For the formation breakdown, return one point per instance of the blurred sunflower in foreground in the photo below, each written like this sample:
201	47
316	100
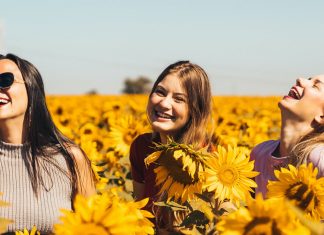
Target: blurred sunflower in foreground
261	217
229	174
315	226
105	214
179	169
26	232
301	186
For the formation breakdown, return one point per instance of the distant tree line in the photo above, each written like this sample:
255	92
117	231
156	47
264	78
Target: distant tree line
140	85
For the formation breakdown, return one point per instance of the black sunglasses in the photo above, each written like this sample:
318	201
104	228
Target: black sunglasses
6	80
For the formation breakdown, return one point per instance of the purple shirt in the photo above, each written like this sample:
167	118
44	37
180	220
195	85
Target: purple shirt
266	163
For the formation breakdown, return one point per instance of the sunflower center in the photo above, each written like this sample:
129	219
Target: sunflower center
304	195
65	122
87	131
228	175
261	225
99	145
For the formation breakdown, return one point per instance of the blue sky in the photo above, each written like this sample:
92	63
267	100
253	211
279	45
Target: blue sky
247	47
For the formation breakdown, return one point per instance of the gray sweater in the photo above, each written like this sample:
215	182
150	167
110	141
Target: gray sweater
25	209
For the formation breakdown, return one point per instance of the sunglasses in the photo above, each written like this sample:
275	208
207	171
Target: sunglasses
6	80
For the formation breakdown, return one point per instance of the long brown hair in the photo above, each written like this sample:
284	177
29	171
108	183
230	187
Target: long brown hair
196	83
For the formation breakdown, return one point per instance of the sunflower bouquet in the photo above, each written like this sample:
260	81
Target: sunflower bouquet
210	193
201	185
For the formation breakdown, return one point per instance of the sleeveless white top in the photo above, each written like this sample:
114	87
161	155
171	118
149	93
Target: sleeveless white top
25	209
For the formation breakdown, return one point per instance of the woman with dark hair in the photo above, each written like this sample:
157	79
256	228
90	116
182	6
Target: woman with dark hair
302	133
40	169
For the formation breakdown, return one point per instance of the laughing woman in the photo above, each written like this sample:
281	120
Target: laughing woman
40	169
302	132
179	106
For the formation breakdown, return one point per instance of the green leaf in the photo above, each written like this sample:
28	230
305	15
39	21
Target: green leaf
196	217
173	205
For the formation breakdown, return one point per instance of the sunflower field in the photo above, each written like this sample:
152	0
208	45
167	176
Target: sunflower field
209	194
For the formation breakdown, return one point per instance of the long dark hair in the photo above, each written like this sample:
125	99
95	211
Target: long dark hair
196	83
40	131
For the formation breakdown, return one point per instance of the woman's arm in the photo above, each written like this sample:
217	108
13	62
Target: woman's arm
85	176
137	168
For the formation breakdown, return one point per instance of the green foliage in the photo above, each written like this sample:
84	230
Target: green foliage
140	85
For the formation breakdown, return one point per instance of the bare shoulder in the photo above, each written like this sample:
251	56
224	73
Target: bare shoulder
78	154
86	184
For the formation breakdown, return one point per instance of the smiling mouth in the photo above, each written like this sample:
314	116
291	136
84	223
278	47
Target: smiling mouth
164	115
3	101
294	94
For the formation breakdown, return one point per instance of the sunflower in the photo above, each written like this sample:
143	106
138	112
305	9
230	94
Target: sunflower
101	182
228	174
89	128
301	186
179	170
25	232
105	214
63	124
91	138
90	148
123	131
261	217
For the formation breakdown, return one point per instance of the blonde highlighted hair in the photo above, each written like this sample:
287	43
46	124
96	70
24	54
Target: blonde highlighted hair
306	145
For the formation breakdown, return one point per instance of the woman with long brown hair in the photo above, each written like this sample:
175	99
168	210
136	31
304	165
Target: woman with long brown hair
179	107
302	132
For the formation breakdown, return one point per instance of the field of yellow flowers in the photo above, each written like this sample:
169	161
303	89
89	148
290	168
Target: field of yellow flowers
105	126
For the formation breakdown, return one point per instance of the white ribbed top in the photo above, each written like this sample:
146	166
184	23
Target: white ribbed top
25	209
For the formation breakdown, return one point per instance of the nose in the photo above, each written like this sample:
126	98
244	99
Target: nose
166	102
301	82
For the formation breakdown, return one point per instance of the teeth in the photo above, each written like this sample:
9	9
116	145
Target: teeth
294	94
3	101
163	115
297	95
